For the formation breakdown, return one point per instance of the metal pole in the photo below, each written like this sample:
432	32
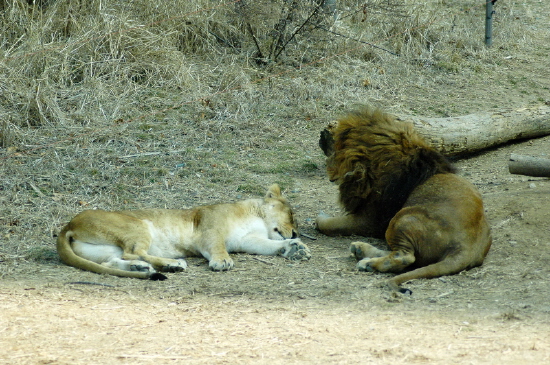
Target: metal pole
489	22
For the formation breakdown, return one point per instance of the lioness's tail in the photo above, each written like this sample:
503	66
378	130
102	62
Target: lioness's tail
69	257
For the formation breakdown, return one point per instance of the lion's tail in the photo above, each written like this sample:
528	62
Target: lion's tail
69	257
450	265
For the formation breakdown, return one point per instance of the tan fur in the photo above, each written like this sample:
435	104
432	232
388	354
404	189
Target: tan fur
138	243
394	185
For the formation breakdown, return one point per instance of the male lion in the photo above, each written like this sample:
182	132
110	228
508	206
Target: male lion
393	184
137	243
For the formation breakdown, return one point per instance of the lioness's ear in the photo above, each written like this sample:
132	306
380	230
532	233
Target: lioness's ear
274	191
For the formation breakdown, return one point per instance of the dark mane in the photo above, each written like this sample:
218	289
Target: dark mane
399	185
377	162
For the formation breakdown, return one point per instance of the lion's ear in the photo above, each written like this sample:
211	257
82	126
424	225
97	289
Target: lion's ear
326	141
274	192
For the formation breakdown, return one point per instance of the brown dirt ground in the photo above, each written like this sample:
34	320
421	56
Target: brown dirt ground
269	310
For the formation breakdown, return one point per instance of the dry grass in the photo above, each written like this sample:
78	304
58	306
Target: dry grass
72	64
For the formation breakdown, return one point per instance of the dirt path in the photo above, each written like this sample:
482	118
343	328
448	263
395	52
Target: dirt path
44	326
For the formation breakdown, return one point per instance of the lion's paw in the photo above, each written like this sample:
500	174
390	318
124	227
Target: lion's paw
363	250
221	265
177	266
356	250
366	265
321	217
296	250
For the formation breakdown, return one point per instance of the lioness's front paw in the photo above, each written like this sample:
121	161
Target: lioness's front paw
296	250
221	265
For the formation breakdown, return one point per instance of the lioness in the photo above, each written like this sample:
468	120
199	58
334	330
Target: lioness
138	243
394	185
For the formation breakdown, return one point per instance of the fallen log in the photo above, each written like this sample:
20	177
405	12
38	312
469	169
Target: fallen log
530	166
464	135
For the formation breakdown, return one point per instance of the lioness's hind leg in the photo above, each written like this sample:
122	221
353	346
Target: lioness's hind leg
129	265
159	263
175	266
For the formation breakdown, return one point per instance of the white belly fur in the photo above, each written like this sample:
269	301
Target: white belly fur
99	253
169	241
235	238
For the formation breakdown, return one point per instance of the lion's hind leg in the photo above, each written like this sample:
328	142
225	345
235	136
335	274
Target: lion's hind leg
374	259
363	250
395	261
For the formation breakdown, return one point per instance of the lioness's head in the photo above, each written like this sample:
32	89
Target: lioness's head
278	215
